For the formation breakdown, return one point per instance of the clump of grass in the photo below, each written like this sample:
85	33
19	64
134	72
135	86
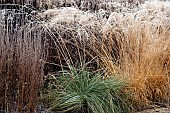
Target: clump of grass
83	91
143	53
70	31
21	69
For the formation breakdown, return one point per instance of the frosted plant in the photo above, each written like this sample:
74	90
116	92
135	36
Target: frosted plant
70	16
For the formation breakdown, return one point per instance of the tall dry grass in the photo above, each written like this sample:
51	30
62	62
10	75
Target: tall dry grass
142	44
21	67
143	67
70	31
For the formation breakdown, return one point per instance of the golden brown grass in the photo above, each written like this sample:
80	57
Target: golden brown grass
143	62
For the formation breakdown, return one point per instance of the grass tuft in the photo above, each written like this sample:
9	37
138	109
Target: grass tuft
86	92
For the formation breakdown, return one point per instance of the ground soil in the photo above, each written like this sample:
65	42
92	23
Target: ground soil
156	110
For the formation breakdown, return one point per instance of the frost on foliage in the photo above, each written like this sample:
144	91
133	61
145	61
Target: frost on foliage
69	16
57	3
155	13
86	5
154	9
114	18
152	18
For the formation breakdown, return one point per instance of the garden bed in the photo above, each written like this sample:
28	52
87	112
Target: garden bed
85	56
